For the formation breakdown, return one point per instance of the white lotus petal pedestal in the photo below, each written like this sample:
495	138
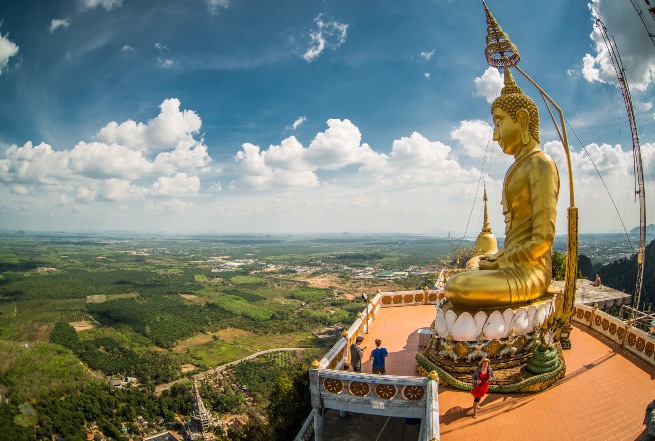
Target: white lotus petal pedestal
508	336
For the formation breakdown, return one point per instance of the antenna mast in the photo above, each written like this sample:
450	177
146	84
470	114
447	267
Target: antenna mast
640	13
636	154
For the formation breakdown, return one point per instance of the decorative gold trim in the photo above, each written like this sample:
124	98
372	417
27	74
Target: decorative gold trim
413	393
620	333
650	347
632	339
333	385
359	388
397	299
409	298
385	391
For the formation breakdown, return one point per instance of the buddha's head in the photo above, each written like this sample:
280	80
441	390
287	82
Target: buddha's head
522	111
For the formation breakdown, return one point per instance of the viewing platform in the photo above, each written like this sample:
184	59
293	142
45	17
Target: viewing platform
609	381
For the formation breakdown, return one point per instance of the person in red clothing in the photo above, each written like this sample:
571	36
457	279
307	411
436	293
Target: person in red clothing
481	379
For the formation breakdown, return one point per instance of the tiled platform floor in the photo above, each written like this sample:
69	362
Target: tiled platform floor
602	397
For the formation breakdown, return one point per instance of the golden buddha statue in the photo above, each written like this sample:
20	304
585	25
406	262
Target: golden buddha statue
521	271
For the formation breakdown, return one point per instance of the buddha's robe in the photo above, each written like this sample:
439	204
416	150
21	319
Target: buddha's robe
524	271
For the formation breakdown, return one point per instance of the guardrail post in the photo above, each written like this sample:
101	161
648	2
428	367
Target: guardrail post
315	392
628	324
432	408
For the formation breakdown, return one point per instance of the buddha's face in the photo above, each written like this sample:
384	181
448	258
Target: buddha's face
506	131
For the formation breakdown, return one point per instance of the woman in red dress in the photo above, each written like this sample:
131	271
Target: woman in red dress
481	378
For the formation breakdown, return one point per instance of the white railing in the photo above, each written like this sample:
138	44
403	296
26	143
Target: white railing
388	395
640	343
307	431
339	355
385	395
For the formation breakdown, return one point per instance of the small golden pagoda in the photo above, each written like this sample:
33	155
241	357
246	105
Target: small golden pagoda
486	243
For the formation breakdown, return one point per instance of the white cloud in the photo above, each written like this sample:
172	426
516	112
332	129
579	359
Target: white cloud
338	146
172	206
489	84
120	190
426	74
33	165
7	50
475	137
161	47
107	4
20	189
172	128
166	63
127	48
270	169
57	23
636	51
97	161
329	34
119	167
213	5
175	186
416	161
427	55
297	123
292	165
86	194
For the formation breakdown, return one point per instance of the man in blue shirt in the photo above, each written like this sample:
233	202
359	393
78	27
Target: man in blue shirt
379	354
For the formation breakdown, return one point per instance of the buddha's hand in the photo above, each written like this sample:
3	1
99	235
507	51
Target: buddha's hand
488	263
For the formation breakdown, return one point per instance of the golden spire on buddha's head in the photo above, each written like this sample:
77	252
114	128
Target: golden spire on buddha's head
500	52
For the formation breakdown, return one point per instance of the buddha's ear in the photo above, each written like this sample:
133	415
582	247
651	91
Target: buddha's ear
523	118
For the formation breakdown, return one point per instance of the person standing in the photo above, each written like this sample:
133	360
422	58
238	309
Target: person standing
379	355
356	353
481	378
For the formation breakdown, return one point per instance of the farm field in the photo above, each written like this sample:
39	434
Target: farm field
203	300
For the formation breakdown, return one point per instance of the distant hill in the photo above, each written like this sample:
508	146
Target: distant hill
622	274
650	231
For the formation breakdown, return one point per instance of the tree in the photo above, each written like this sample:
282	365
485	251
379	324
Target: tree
585	266
289	403
65	335
559	265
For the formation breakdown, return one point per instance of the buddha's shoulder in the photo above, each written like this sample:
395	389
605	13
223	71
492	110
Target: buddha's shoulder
540	159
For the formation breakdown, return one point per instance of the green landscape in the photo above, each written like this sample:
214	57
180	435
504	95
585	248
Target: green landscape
145	314
158	310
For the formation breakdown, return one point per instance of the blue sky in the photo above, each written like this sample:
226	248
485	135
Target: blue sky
302	116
